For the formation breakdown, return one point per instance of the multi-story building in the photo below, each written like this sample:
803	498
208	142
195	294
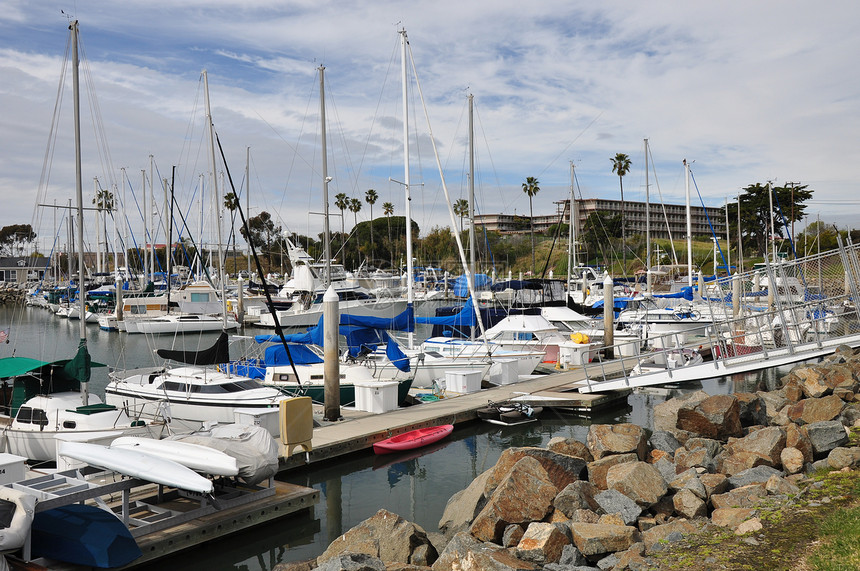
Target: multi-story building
665	218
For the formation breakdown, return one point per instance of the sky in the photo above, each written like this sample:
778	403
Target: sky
748	92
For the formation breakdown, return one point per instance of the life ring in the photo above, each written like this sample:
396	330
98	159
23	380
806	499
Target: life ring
13	537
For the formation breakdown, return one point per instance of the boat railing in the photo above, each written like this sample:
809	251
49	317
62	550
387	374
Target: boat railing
755	322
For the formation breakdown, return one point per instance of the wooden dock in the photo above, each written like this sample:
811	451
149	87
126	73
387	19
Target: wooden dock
359	430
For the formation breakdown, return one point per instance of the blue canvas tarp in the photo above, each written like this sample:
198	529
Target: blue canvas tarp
461	284
464	318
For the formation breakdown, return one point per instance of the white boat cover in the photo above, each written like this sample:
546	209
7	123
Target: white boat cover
253	447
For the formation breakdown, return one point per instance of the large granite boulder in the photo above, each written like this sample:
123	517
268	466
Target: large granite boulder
597	470
639	481
609	439
812	410
560	468
576	496
569	447
597	538
384	535
825	436
523	496
666	413
465	553
463	506
715	417
542	543
759	448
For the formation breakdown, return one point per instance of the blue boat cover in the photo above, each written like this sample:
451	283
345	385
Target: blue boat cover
464	318
83	535
461	284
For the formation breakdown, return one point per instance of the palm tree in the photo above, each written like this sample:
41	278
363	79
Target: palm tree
231	203
621	166
354	207
103	201
461	209
388	210
370	197
342	202
530	187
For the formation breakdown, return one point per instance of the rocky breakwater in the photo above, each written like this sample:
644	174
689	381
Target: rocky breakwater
616	500
10	293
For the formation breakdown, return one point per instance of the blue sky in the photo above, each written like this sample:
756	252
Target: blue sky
749	91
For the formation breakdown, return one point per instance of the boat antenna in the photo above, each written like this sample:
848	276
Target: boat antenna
278	329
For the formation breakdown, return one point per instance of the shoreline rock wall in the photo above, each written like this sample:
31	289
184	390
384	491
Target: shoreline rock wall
621	496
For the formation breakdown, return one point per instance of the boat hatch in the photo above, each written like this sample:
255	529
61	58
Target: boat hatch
93	408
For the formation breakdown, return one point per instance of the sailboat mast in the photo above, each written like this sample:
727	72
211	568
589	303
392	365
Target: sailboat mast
248	198
410	294
79	193
472	237
216	200
689	225
571	233
647	218
326	180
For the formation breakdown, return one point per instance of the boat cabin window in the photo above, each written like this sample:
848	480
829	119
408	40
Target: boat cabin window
201	297
222	388
137	309
70	424
285	377
28	415
173	386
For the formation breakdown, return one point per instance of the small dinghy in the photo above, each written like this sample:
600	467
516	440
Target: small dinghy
509	413
413	439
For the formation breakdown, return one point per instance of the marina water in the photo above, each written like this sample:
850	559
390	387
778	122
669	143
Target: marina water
413	485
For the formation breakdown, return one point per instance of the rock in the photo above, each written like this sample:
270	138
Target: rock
597	539
609	439
576	496
586	516
715	417
667	469
512	535
561	468
713	447
812	410
714	483
840	457
614	502
752	409
463	506
773	402
665	441
306	565
777	485
639	481
542	543
384	535
612	519
465	553
608	563
666	413
825	436
757	475
695	458
689	505
570	447
792	460
352	562
797	438
597	470
572	556
731	517
689	480
525	495
745	497
749	526
654	536
759	448
812	380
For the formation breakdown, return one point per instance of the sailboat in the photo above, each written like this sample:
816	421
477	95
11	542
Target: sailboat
46	400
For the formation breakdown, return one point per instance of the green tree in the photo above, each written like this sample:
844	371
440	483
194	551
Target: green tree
371	197
597	230
14	237
756	214
262	233
355	207
231	203
342	202
388	210
461	209
621	166
531	188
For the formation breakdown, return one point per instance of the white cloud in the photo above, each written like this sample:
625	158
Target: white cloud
750	91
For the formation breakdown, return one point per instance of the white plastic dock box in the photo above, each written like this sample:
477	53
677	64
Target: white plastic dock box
463	382
504	372
268	418
376	396
11	468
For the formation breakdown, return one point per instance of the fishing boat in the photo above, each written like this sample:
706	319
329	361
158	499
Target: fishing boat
413	439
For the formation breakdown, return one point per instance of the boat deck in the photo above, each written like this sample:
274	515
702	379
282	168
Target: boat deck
359	430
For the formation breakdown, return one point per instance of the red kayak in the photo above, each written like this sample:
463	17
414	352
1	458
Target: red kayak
413	439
